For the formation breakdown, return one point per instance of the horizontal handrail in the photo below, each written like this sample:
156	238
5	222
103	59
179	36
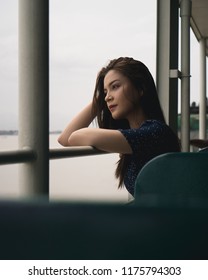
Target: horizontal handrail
27	155
17	156
74	152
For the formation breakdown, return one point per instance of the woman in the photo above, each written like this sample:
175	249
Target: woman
129	116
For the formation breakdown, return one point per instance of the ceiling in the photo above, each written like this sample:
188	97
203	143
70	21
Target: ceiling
199	20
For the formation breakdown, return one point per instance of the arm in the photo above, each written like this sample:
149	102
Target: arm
83	119
103	139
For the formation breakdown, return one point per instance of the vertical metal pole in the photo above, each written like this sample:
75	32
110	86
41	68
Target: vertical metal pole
203	101
167	58
174	50
163	58
34	94
185	10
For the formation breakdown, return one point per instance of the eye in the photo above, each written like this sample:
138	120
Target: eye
115	86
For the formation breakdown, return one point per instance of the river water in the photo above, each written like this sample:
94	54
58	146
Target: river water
88	178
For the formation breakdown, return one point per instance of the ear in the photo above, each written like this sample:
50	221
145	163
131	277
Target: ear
141	93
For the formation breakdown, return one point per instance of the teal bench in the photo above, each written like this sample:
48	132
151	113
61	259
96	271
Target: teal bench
77	231
178	175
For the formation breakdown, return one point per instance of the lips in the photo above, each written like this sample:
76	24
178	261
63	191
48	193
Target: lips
112	107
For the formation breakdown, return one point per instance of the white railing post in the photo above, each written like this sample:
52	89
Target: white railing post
185	12
34	94
203	101
167	58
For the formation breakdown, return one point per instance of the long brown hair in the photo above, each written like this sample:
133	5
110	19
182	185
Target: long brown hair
142	80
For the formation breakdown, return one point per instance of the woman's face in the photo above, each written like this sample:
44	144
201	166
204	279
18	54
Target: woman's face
120	96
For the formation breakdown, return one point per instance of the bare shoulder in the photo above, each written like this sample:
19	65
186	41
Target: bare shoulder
108	140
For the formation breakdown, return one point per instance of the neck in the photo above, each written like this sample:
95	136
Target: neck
137	121
136	124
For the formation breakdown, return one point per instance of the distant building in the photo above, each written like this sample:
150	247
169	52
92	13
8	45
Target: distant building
194	109
194	120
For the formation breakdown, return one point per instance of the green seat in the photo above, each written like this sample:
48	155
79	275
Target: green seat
39	230
174	175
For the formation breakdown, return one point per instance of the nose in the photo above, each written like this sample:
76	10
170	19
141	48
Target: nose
108	97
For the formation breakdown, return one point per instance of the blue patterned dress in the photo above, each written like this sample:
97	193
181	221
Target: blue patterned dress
151	139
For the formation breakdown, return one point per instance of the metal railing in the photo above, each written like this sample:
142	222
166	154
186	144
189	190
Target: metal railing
17	156
28	155
35	183
74	152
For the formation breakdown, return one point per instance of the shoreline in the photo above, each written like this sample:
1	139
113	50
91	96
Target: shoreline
15	132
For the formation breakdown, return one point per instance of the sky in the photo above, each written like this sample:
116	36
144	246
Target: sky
84	36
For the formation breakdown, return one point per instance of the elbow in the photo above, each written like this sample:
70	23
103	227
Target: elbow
62	141
73	140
